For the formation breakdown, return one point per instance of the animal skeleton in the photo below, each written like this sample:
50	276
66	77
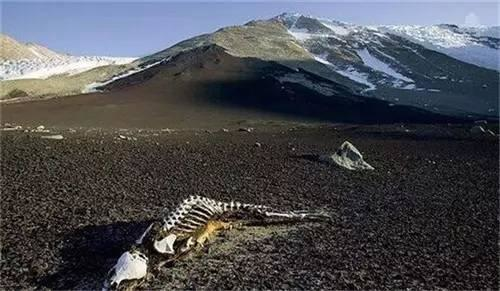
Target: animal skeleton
187	228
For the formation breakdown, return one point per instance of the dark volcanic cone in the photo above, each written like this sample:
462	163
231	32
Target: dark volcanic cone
208	87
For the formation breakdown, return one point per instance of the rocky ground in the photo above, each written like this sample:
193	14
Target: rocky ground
426	217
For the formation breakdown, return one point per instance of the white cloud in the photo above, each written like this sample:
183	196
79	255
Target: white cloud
472	19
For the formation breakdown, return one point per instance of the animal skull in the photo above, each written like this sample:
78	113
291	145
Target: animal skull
130	266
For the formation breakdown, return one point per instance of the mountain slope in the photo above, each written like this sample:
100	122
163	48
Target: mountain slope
11	49
466	45
208	87
33	61
390	67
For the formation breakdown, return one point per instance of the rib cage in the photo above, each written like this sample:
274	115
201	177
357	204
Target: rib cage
188	225
196	211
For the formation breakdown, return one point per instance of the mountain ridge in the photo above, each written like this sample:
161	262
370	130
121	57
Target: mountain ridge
368	61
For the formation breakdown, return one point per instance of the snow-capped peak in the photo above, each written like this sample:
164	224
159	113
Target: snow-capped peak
474	45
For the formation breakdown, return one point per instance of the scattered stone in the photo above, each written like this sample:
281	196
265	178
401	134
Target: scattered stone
9	127
167	130
124	137
54	136
246	129
40	128
347	156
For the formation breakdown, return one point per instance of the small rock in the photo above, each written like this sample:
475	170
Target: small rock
347	156
167	130
9	127
40	128
246	129
225	130
122	136
258	144
55	136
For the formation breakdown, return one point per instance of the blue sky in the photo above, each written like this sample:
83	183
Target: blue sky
135	29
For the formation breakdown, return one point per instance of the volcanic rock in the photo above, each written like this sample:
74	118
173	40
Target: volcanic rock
347	156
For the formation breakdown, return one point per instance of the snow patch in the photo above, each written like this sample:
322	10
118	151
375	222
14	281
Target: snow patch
43	68
92	87
322	59
358	77
301	79
336	28
462	46
409	87
350	73
380	66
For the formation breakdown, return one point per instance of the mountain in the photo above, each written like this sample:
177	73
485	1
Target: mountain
309	67
33	61
11	49
477	46
396	67
370	61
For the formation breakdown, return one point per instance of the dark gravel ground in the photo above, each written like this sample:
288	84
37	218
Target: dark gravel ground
426	218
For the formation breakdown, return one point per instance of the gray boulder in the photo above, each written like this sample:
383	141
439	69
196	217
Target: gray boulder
347	156
55	136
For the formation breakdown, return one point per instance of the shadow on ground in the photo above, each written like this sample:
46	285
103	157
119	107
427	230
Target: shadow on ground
90	252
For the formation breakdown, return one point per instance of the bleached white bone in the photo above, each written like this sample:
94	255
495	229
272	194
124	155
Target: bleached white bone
286	215
190	242
297	214
166	245
139	240
130	266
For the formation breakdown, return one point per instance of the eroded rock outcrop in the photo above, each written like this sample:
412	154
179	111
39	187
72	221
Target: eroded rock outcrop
347	156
